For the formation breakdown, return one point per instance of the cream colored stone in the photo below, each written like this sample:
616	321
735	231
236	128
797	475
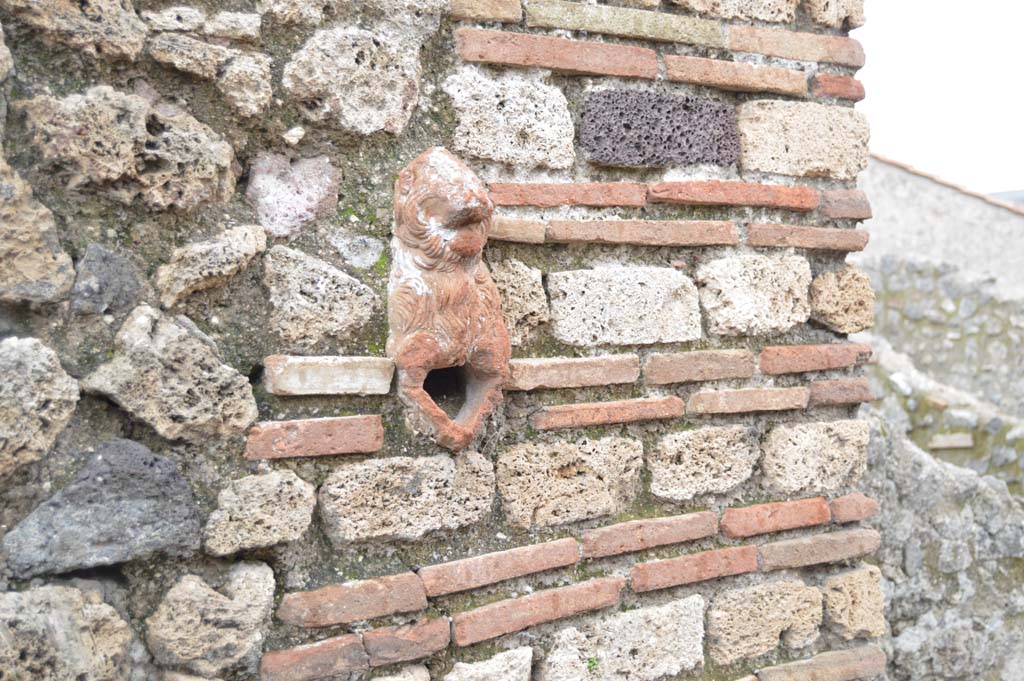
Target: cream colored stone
177	18
854	604
291	375
755	294
234	26
783	11
6	63
289	194
246	83
625	22
815	458
836	13
304	12
524	305
100	28
693	463
188	54
512	665
414	673
844	300
208	264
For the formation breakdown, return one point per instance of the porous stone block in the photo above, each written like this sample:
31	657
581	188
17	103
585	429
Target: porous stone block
512	665
177	18
490	568
289	194
843	300
524	305
106	281
188	55
353	601
234	25
292	375
814	457
780	11
854	605
836	13
109	29
692	463
750	295
624	306
208	264
546	484
246	83
641	128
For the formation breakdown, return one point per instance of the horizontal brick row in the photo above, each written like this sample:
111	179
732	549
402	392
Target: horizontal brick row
315	437
818	549
852	508
565	372
855	664
811	238
750	521
601	413
353	601
624	22
794	359
701	365
747	400
639	535
506	11
840	87
490	568
288	375
841	392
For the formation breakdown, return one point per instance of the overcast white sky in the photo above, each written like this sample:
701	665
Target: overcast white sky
945	86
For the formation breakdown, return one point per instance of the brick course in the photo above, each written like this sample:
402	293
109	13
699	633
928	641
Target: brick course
405	643
703	365
543	195
855	664
620	21
844	391
353	601
644	232
566	372
817	549
637	535
698	567
315	437
515	229
811	238
719	193
735	76
490	568
509	11
794	359
800	46
601	413
749	400
775	517
852	508
840	87
333	656
845	204
287	375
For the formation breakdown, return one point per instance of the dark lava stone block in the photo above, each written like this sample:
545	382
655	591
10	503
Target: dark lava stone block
636	128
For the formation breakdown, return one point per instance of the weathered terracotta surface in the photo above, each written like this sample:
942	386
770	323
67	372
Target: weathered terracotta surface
443	307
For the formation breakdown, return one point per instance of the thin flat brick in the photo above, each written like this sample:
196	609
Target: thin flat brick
735	76
795	359
698	567
315	437
557	54
821	548
516	614
776	42
620	21
775	517
852	508
840	87
843	391
719	193
408	642
568	372
353	601
703	365
600	413
644	232
638	535
749	400
542	195
845	204
519	230
507	11
855	664
287	375
491	568
811	238
336	656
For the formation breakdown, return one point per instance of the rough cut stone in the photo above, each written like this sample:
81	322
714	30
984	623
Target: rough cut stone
6	63
782	11
130	148
106	281
126	503
815	457
179	18
755	294
620	21
836	13
640	128
234	25
514	119
746	623
693	463
402	498
246	83
645	644
166	372
624	306
56	633
287	195
105	28
844	301
854	604
208	264
210	633
189	55
312	299
414	673
33	266
546	484
803	138
358	250
37	399
258	511
306	12
513	665
524	305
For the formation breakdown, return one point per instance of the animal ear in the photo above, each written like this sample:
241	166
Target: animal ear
405	181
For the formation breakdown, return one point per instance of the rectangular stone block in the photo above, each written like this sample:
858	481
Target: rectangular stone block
856	664
570	372
408	642
353	601
517	229
821	548
799	46
749	400
557	54
735	76
775	517
852	508
811	238
340	655
840	87
845	204
719	193
783	11
516	614
315	437
507	11
840	392
288	375
620	21
545	195
698	567
602	413
491	568
644	232
638	535
795	359
703	365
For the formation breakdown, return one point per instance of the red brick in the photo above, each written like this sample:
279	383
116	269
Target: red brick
644	232
840	87
698	567
600	413
567	372
490	568
638	535
820	548
408	642
795	359
508	11
315	437
543	195
855	664
515	229
749	400
717	193
516	614
844	391
776	42
812	238
703	365
557	54
852	508
336	656
845	204
353	601
775	517
735	76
